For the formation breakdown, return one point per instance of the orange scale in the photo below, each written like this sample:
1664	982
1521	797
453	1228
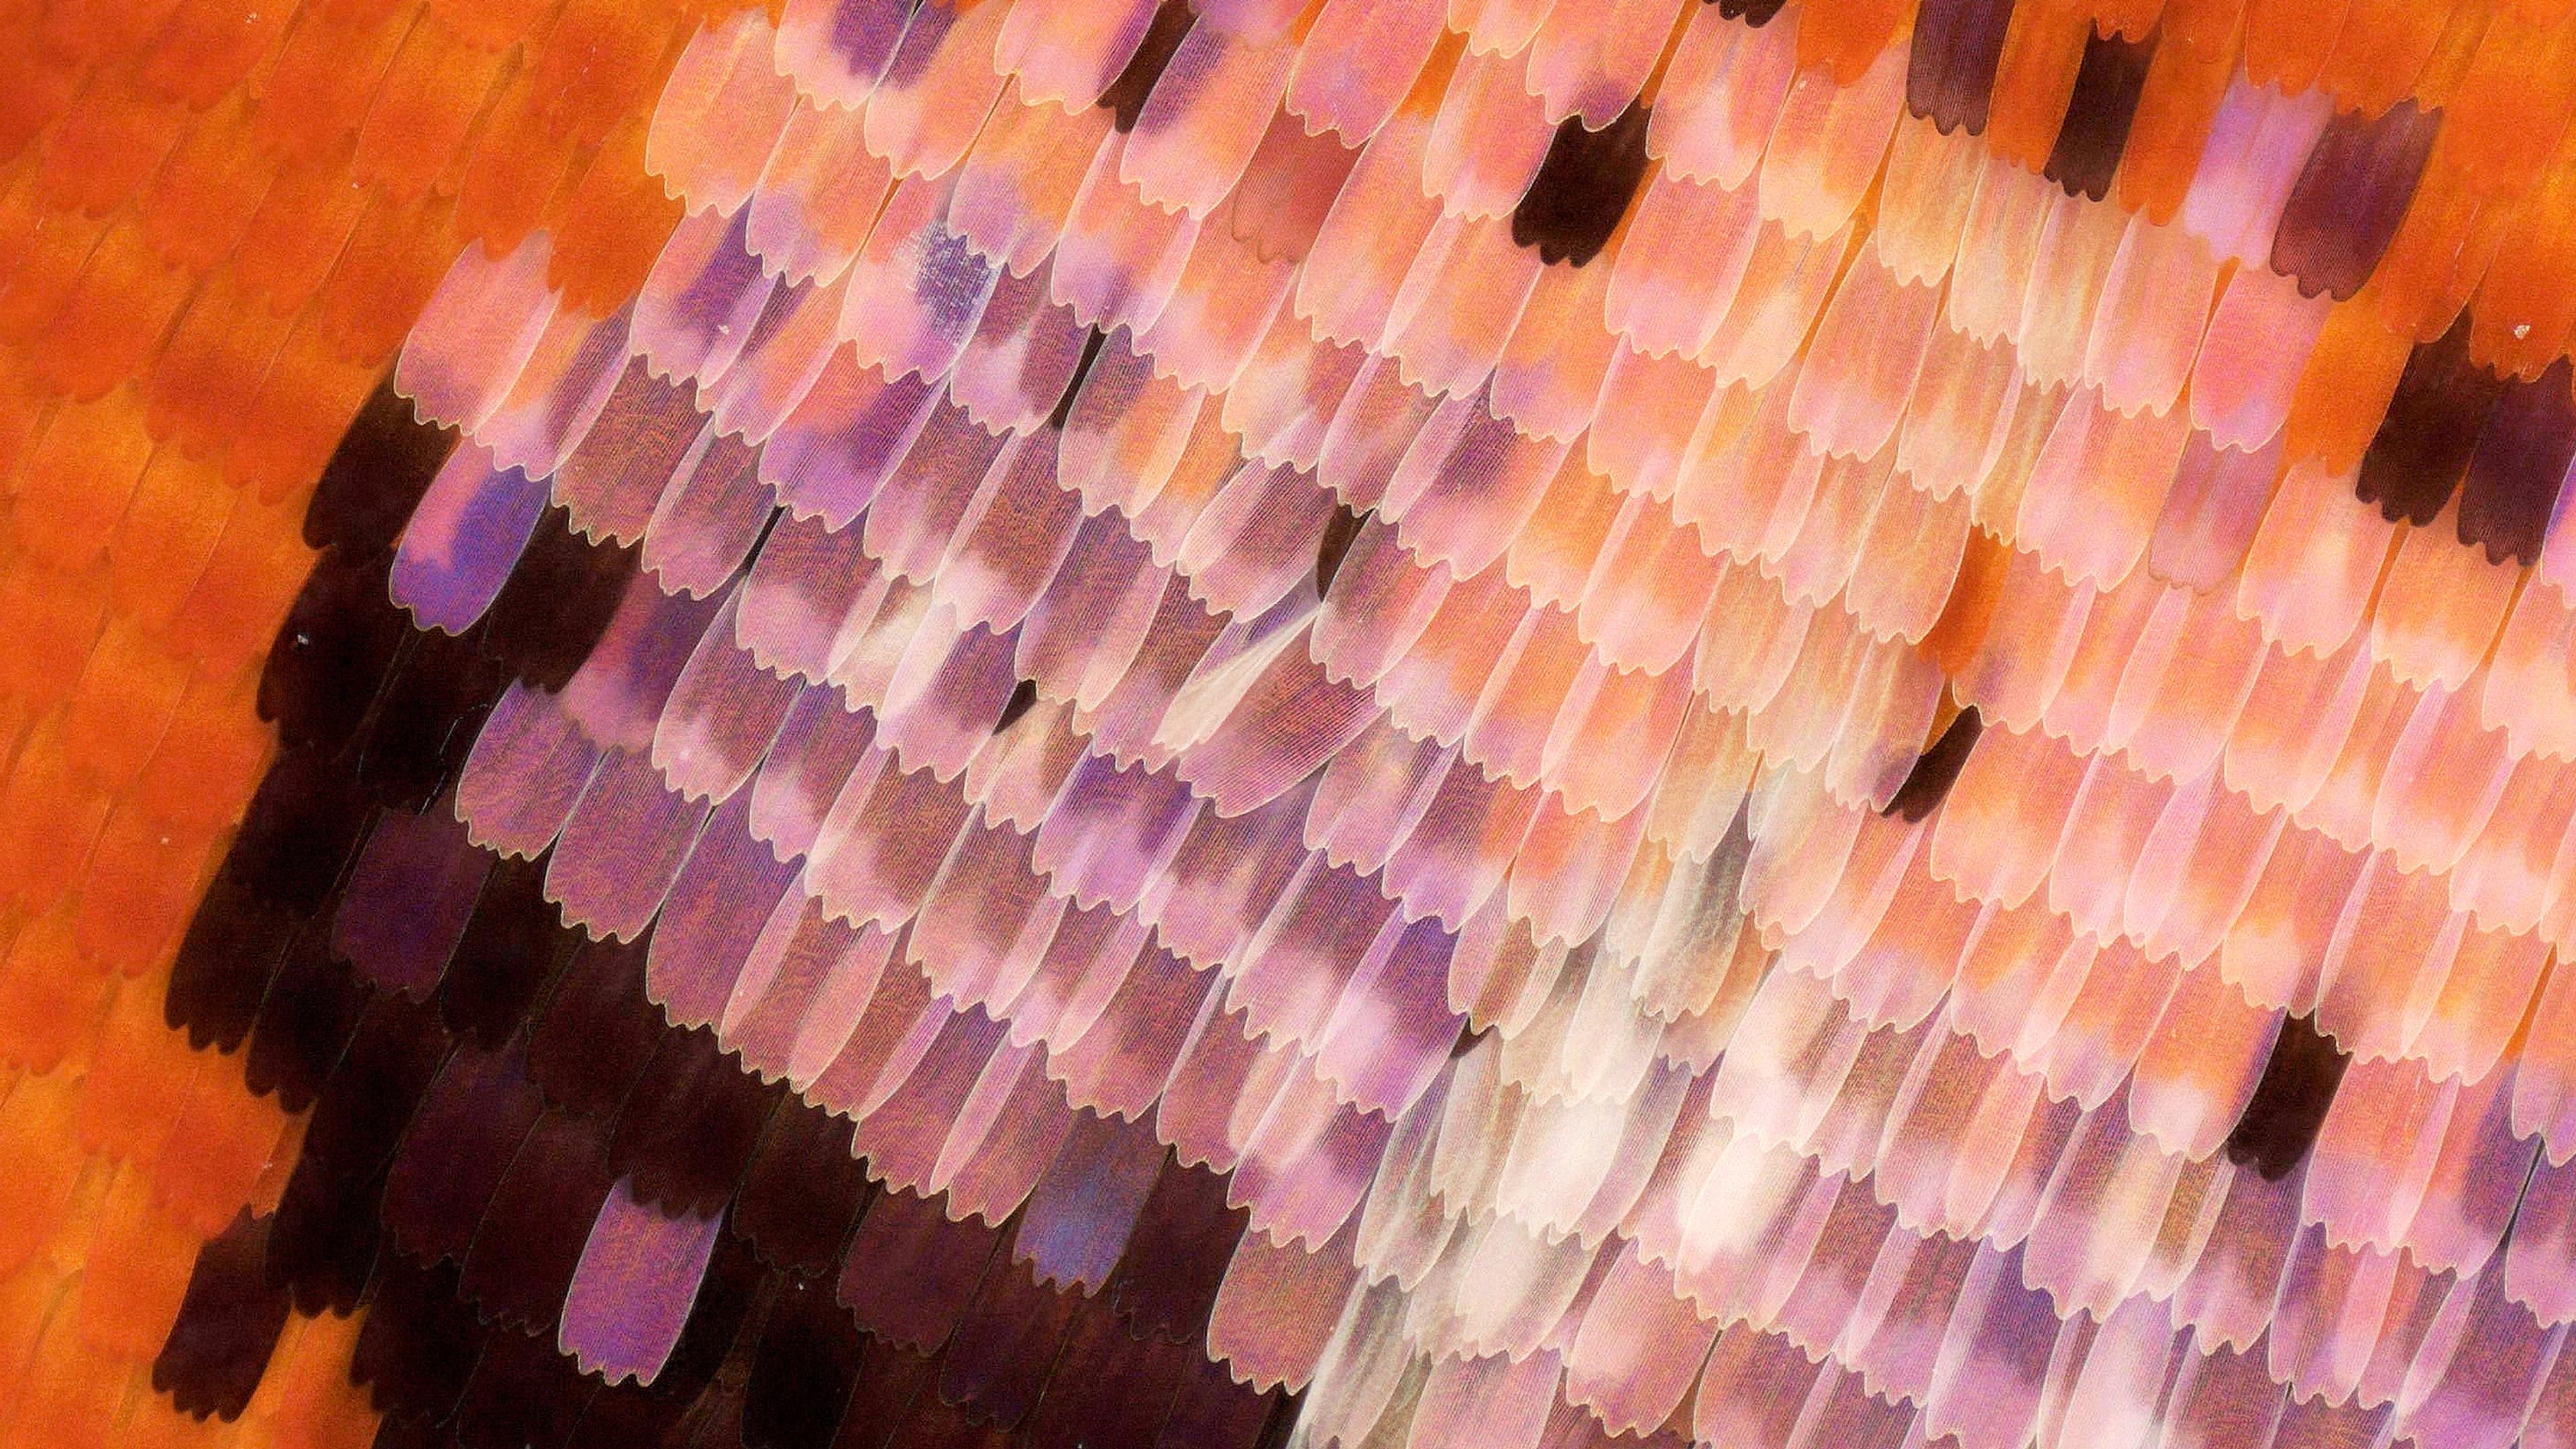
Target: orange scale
2294	723
52	815
142	885
2491	983
52	619
211	365
108	145
2442	606
2445	778
34	89
90	29
2274	944
2382	50
2341	806
2315	562
600	66
2526	306
158	1424
2392	947
315	93
136	1272
139	1077
55	253
205	765
515	168
303	405
2127	19
2180	98
69	1392
612	226
2000	824
307	1395
126	698
203	199
210	46
115	316
171	527
35	1130
2513	103
51	994
298	232
231	607
393	263
219	1146
2441	249
79	475
1847	36
2079	695
2343	391
2505	875
493	24
2286	41
410	139
25	407
2034	79
2200	1064
1960	633
2107	826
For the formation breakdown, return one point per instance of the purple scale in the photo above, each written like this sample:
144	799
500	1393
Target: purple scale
464	539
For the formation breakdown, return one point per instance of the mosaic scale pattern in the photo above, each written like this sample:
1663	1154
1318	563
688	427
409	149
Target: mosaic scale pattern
1367	723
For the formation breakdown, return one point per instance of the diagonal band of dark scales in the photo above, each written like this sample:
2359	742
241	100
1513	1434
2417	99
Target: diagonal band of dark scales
472	1114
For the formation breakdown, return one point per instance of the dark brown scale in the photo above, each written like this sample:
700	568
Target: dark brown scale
419	1343
227	1326
803	1191
427	717
1950	73
2350	197
531	1237
1024	697
1340	532
1109	1386
557	603
333	652
471	1123
2431	427
910	1272
597	1032
514	947
1212	1411
1005	1343
1754	13
688	1127
523	1394
1176	1257
322	1245
232	946
891	1382
712	1341
1125	98
2521	460
2098	114
1583	188
311	1007
1937	769
376	477
2289	1104
1091	344
803	1372
392	1057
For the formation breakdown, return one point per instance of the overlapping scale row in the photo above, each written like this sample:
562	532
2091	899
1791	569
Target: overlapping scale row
1549	723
